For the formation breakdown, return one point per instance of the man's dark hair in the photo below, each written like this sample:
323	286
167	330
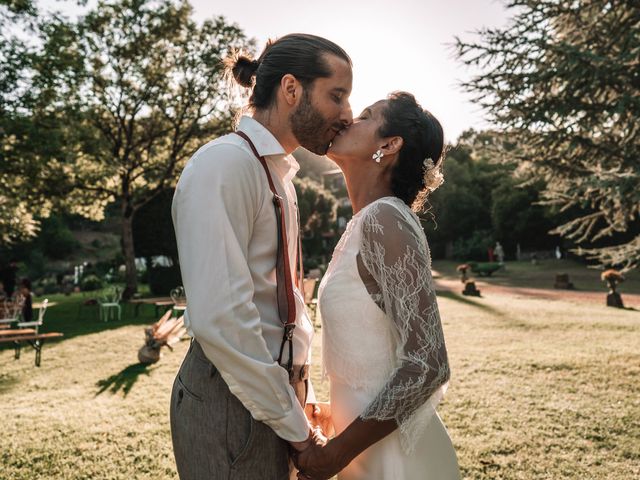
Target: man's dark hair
298	54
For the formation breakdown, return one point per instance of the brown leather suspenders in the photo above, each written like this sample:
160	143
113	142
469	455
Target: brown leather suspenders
284	287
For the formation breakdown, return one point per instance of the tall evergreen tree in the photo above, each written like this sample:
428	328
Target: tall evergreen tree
563	81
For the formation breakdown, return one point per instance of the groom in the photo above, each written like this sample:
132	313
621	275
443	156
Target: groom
236	410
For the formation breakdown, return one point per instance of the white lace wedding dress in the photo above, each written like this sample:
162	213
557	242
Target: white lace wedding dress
383	345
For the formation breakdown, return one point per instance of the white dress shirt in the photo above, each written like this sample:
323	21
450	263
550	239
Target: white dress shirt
226	230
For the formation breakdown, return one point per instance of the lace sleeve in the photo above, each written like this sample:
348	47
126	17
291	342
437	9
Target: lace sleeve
395	266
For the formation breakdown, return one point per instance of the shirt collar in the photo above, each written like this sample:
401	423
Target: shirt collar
263	139
267	145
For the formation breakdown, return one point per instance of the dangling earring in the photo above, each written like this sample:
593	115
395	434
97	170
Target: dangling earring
377	156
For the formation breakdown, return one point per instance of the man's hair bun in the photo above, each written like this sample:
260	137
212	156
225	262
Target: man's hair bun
243	69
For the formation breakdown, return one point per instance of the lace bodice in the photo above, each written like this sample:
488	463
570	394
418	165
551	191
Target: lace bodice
381	326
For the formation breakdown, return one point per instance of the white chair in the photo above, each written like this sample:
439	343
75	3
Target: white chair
110	303
179	299
36	324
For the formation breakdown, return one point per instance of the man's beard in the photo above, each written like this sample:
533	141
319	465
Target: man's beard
309	126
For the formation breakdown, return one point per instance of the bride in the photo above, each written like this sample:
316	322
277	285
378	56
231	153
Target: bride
383	346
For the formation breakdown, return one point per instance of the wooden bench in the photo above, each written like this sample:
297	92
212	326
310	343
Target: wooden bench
158	303
36	340
155	301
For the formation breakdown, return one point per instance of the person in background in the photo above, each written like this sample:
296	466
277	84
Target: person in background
27	306
499	252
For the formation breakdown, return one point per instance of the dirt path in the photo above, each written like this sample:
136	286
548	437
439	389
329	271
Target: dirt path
629	299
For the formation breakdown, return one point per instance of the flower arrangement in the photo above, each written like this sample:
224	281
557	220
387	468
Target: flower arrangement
462	269
165	332
613	278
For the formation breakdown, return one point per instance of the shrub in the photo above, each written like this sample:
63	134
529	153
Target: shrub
485	269
475	247
90	283
48	285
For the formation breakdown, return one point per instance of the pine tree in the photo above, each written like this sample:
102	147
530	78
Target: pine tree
563	81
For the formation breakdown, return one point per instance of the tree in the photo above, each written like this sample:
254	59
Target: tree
461	206
562	80
153	232
481	202
518	218
317	207
20	201
148	92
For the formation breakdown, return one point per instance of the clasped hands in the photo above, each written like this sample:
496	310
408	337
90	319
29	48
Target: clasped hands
318	458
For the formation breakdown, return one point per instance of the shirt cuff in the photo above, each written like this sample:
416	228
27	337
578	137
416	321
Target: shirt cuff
293	427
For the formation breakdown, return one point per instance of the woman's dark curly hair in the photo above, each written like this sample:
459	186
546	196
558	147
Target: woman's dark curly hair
423	139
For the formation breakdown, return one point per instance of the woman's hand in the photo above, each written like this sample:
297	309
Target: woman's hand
319	415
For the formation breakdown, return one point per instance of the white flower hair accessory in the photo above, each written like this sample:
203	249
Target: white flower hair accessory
433	177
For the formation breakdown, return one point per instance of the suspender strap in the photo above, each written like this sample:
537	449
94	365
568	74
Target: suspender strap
300	276
284	287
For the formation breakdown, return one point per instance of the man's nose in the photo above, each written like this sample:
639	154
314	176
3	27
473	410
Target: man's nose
346	116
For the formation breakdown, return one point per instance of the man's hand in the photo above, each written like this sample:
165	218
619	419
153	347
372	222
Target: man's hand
305	444
319	415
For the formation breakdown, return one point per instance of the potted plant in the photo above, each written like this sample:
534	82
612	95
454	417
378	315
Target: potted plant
462	269
613	279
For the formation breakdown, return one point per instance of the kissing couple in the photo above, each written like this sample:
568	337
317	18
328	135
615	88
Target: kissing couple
242	404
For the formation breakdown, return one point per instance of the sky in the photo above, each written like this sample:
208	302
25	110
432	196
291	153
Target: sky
394	44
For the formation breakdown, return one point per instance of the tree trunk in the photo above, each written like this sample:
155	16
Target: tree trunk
131	278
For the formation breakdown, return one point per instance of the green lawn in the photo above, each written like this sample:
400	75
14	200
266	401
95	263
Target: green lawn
540	390
542	275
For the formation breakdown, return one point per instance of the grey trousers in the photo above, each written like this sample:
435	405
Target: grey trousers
214	436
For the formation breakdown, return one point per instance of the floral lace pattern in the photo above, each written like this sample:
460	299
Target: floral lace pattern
395	266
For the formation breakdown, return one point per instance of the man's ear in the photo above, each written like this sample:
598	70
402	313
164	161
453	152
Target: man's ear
392	145
291	89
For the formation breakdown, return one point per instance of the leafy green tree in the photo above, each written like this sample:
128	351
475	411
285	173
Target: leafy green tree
481	202
562	80
461	206
19	200
317	207
153	232
518	218
149	89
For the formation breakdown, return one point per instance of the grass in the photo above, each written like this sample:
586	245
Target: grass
543	390
540	390
542	275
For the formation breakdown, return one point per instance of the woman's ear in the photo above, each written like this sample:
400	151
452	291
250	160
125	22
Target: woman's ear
291	89
392	145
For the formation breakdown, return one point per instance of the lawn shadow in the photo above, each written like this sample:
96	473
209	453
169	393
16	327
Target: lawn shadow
456	297
123	380
7	382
